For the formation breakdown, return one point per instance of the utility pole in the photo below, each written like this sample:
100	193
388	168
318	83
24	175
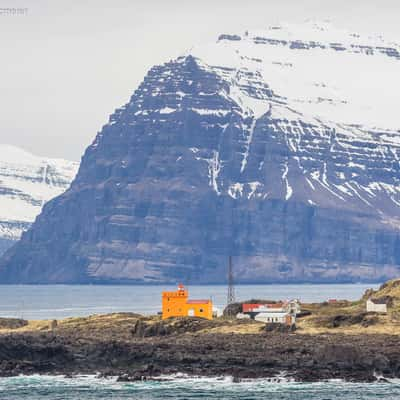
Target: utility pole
231	287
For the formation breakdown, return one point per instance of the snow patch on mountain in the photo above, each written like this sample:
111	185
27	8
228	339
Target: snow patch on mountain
26	183
315	69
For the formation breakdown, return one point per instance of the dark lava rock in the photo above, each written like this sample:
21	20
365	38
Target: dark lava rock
303	313
12	323
302	357
171	326
281	328
335	321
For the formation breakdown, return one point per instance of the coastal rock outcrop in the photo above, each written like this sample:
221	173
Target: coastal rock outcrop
290	356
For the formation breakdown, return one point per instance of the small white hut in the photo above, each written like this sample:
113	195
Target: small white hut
276	317
377	305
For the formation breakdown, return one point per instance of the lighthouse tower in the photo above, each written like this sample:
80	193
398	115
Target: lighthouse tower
176	304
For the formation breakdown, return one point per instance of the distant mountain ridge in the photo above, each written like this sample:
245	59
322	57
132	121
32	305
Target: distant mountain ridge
278	147
26	183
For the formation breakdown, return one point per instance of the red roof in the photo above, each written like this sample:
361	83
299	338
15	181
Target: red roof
274	305
198	301
248	307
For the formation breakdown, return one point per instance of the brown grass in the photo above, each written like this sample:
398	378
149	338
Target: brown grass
120	325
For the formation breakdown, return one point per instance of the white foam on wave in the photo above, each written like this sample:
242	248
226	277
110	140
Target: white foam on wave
181	381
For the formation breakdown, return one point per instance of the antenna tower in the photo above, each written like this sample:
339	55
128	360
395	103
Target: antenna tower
231	287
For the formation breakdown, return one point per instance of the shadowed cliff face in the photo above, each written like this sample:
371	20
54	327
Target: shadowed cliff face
184	176
5	244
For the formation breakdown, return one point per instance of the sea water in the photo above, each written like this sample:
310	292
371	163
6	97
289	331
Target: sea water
180	388
61	301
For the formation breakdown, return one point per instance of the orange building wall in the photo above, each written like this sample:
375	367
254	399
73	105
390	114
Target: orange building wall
176	304
203	310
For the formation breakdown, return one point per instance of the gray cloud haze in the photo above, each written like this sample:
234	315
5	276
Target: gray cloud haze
66	65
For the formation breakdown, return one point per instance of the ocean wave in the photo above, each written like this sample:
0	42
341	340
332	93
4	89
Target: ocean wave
281	380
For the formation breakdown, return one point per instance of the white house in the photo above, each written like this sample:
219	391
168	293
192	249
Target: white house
377	305
276	317
283	312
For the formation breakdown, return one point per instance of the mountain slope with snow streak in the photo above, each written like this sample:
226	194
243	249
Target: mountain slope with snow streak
26	183
278	147
331	97
314	69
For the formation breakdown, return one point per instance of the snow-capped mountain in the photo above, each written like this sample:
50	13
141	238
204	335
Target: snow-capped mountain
314	69
26	183
330	97
279	147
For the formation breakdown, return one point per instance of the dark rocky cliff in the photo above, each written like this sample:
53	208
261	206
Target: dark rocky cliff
184	176
5	244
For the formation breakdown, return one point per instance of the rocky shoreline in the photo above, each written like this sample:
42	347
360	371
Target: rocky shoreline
358	358
332	340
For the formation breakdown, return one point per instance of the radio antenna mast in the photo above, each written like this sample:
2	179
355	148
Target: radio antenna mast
231	287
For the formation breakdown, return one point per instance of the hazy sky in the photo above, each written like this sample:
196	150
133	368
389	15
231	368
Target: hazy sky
66	65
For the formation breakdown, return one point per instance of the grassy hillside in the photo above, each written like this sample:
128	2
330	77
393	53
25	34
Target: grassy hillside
343	317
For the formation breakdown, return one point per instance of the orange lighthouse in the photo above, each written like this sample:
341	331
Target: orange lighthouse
176	304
